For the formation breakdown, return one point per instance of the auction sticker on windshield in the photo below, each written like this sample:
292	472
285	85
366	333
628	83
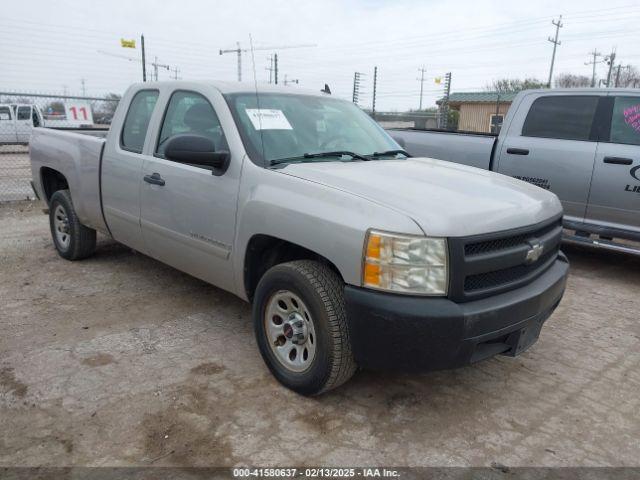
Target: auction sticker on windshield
268	119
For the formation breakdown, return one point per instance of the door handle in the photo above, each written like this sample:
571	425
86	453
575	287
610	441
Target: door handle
518	151
154	179
618	160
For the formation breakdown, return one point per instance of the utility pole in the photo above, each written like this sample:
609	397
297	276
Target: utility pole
617	84
375	84
175	71
239	62
155	65
356	87
84	88
444	105
239	51
555	42
593	62
270	68
610	59
144	62
422	71
288	82
275	67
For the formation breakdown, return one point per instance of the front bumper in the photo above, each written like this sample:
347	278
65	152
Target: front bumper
391	331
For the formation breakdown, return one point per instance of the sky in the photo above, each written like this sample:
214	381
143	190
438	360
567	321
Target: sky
50	46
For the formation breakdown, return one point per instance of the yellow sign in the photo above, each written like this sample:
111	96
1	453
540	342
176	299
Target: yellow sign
438	80
127	43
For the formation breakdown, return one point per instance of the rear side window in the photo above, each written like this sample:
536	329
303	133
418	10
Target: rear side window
136	123
5	113
24	113
625	122
563	117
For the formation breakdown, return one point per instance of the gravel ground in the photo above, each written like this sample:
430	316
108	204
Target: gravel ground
119	360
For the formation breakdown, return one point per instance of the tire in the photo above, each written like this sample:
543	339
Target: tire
319	295
72	240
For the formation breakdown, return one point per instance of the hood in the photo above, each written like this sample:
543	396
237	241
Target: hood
446	199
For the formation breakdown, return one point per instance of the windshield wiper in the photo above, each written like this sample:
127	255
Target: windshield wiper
301	158
390	152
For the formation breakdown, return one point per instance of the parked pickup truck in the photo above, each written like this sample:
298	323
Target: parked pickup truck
351	252
582	144
17	123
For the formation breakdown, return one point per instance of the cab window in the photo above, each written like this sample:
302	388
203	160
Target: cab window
5	113
625	122
137	120
24	113
564	117
190	112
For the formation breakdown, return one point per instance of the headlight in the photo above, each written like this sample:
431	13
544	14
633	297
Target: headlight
405	263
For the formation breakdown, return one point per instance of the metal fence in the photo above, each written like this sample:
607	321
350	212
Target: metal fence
420	120
20	113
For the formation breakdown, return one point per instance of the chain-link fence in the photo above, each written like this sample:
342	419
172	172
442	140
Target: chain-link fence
20	113
419	120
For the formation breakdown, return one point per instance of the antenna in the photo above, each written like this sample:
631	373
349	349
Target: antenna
255	83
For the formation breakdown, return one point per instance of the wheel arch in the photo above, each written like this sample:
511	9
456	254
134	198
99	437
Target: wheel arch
265	251
52	180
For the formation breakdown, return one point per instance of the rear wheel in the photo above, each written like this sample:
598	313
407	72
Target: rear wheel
72	240
301	327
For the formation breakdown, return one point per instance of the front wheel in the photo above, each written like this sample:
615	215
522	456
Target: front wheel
301	327
71	238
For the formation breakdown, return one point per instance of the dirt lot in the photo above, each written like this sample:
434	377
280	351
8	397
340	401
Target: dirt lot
120	360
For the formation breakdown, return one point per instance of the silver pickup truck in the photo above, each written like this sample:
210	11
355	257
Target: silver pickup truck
582	144
351	252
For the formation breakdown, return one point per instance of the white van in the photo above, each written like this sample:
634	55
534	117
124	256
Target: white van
17	122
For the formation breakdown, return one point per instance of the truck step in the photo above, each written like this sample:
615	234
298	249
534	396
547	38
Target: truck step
630	248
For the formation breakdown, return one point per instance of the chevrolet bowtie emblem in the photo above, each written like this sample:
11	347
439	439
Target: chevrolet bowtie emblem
534	253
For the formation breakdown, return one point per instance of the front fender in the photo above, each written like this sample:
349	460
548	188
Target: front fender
330	222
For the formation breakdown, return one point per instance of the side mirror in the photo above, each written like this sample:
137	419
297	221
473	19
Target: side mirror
195	150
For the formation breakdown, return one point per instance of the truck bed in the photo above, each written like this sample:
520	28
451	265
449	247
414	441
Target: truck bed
473	149
76	154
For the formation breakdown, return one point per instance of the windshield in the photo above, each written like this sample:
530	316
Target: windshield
290	126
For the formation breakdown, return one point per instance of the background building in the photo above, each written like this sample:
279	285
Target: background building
481	111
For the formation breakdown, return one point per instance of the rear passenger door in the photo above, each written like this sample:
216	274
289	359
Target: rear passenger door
553	147
122	170
615	189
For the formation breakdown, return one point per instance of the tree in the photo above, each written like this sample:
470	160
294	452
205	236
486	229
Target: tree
103	110
629	77
112	102
55	107
514	85
570	80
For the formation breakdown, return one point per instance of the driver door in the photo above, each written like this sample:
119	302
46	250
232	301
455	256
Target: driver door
188	213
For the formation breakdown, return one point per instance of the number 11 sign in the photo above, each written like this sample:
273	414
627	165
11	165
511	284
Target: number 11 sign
78	113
